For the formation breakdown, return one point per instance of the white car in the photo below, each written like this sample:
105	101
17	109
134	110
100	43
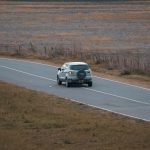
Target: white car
74	72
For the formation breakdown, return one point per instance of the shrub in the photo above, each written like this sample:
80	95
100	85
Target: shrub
125	72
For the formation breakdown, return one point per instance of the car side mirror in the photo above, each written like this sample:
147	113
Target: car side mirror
59	69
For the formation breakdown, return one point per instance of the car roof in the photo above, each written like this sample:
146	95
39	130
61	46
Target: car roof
76	63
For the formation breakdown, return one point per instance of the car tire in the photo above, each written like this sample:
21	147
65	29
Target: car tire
67	83
58	81
90	84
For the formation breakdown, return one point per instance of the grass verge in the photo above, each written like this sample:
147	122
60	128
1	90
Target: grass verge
35	120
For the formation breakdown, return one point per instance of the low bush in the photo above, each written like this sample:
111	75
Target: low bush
125	72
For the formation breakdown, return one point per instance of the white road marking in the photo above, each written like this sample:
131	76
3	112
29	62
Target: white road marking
93	76
30	74
129	99
110	94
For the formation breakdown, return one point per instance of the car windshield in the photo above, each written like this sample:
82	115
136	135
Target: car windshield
79	67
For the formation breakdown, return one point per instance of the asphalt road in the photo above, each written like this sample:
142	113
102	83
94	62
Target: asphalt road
114	96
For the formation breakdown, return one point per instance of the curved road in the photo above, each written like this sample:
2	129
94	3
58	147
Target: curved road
114	96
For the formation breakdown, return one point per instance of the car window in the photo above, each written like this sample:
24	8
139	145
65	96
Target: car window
79	67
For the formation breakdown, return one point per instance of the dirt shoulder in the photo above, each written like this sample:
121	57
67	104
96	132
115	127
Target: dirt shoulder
36	120
138	80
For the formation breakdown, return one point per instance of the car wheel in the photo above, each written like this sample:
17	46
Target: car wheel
90	84
58	81
67	83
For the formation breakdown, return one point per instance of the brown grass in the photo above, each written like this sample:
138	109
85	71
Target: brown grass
35	120
99	39
66	33
28	22
128	15
61	18
40	36
95	26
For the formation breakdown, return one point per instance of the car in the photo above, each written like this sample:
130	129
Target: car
74	72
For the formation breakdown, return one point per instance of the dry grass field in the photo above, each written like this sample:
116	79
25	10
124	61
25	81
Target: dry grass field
111	35
31	120
89	26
